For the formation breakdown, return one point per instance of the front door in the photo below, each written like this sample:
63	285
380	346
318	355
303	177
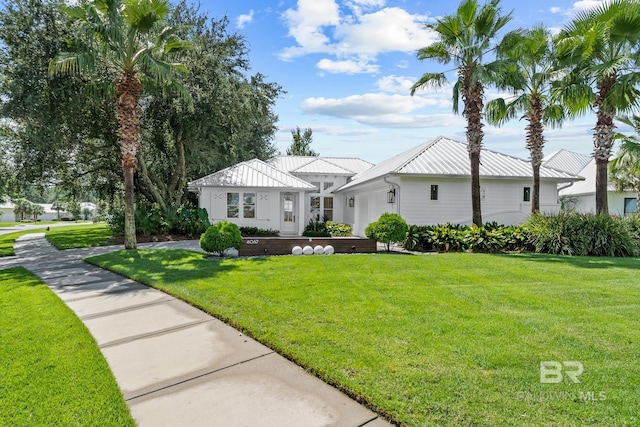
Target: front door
288	220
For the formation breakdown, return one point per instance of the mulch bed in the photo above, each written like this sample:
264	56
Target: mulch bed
140	238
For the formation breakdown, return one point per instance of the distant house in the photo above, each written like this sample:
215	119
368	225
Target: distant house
581	196
567	161
6	212
428	184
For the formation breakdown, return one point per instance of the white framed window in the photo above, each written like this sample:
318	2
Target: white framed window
233	205
434	192
526	194
249	205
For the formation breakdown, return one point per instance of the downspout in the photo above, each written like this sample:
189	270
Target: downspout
397	188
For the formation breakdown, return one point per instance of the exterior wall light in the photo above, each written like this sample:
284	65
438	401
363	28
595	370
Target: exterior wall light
352	201
391	196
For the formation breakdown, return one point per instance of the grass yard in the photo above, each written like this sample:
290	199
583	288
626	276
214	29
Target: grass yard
7	241
450	339
51	370
81	236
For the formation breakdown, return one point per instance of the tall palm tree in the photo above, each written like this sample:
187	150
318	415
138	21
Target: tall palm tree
601	48
133	40
625	166
465	38
526	68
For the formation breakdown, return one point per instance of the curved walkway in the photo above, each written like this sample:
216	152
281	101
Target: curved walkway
177	365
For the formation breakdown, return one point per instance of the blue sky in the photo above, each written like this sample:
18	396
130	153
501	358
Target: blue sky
347	66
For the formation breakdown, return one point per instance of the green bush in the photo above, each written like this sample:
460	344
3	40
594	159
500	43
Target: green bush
221	236
338	230
152	220
258	232
482	239
389	228
316	229
571	233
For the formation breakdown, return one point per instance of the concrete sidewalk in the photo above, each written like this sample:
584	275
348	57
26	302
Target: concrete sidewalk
176	365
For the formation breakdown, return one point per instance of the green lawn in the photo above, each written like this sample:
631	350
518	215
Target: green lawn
81	236
450	339
51	370
7	241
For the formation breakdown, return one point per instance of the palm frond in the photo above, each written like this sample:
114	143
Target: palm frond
429	80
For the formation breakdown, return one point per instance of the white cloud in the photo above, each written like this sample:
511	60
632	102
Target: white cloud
396	84
370	104
413	121
555	10
347	67
387	30
244	19
355	35
577	7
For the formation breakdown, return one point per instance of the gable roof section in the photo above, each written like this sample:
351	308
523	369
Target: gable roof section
252	173
588	186
567	161
320	165
445	157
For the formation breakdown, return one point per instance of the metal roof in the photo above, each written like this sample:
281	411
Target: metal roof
567	161
448	158
252	173
320	165
588	186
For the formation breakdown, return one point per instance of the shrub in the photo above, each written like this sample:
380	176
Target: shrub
257	232
482	239
338	230
153	220
389	228
316	229
570	233
221	236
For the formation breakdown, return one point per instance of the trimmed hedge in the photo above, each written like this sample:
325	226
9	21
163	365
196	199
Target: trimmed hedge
221	236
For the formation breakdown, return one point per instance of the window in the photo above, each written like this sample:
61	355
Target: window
434	192
327	185
328	208
288	207
249	205
630	205
316	184
233	205
315	208
526	195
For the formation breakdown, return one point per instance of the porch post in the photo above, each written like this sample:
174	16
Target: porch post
301	210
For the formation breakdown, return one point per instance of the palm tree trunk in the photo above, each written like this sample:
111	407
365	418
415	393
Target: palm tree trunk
472	94
603	143
128	112
535	142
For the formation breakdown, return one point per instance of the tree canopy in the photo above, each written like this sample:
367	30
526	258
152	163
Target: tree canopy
301	144
63	128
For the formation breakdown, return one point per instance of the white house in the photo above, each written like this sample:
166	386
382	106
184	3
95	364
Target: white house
428	184
282	194
567	161
431	184
581	196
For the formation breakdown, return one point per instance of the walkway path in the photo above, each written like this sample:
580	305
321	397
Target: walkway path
176	365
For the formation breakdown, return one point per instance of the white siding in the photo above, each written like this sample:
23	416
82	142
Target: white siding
586	203
214	200
502	201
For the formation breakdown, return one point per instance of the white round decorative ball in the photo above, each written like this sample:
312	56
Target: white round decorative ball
296	250
328	250
318	250
307	250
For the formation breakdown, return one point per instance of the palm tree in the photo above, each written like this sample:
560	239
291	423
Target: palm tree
36	211
21	207
600	47
465	38
133	38
526	69
625	166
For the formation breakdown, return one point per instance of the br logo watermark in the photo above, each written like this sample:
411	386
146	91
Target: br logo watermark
552	372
